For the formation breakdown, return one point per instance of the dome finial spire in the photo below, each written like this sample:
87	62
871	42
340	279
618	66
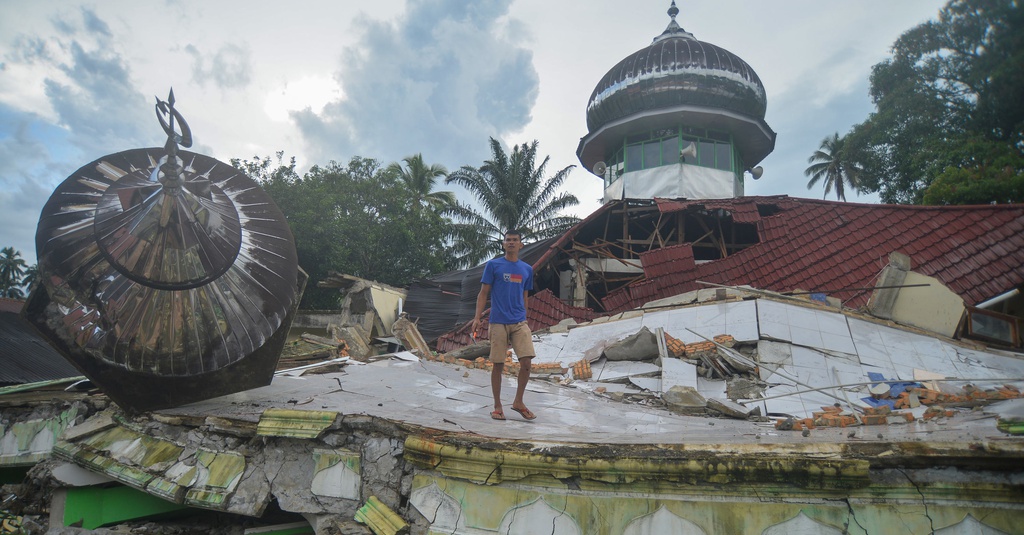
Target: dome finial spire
673	29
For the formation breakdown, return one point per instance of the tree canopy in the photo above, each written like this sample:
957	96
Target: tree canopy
420	179
949	111
356	219
12	268
513	193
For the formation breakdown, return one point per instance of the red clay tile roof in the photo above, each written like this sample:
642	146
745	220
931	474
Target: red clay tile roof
977	251
11	305
817	245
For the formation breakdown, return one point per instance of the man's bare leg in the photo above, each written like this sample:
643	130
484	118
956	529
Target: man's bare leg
525	363
497	370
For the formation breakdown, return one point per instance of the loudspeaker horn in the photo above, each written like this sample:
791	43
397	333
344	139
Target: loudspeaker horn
689	151
600	168
756	172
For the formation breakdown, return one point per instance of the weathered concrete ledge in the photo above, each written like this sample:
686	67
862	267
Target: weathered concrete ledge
418	438
491	464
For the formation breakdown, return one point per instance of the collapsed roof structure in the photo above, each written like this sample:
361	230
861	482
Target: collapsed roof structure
823	359
631	252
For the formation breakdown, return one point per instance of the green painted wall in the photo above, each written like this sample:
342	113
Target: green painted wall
95	506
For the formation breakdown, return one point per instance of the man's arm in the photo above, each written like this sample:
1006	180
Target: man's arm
526	301
481	302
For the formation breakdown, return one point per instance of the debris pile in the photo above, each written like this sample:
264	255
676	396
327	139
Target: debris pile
511	364
309	349
766	359
915	402
970	396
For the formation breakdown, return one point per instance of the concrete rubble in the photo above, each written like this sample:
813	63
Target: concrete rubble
403	444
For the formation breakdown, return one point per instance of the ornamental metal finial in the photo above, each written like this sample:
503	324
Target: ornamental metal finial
171	170
673	29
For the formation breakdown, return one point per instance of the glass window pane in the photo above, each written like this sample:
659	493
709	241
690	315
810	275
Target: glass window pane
634	158
652	154
670	150
706	153
723	156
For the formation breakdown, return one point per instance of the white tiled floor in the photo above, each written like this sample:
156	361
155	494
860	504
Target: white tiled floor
453	399
832	349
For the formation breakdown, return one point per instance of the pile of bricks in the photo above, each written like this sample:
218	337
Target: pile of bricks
581	370
936	412
791	424
883	415
675	346
832	416
700	347
969	393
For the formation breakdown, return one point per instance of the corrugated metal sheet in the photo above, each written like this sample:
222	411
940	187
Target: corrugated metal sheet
27	358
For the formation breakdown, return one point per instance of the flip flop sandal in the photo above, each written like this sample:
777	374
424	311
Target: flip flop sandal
525	413
497	415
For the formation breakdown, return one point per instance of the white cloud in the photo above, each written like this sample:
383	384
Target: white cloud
325	80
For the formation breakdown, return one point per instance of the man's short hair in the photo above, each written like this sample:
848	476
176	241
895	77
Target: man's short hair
514	232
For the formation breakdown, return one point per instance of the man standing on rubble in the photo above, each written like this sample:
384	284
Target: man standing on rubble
508	280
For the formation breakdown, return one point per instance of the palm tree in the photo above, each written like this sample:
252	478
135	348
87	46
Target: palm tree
513	194
12	267
31	277
420	179
833	163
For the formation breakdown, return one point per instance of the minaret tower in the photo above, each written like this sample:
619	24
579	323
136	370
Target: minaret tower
680	118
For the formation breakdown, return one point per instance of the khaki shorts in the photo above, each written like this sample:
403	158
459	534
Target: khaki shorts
517	335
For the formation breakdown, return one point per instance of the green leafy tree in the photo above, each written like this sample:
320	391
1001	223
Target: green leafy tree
979	172
355	219
948	83
512	192
832	164
12	268
420	179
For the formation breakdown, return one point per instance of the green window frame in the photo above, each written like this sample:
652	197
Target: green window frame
661	147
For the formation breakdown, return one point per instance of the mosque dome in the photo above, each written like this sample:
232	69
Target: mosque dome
676	69
678	80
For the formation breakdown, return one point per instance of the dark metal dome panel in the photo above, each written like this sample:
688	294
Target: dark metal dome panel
174	238
676	70
167	277
172	283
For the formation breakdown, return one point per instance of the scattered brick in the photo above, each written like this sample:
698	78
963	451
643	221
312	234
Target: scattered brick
725	339
875	419
675	346
581	369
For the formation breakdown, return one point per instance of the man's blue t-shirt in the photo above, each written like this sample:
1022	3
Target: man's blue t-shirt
508	280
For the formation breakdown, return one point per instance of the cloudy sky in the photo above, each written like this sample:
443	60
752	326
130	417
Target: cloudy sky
385	79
